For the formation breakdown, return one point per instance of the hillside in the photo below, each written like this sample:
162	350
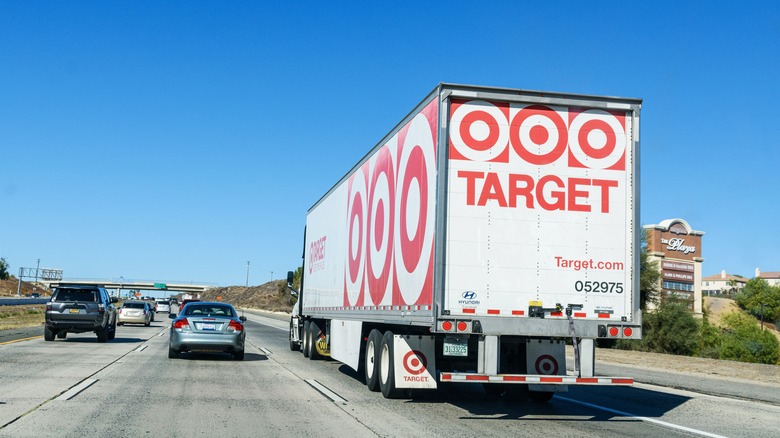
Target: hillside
9	287
272	296
720	307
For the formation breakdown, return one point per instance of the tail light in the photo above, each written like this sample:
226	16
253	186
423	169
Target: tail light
235	327
181	324
101	308
48	305
120	309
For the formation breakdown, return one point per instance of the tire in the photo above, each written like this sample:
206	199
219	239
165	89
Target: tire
62	334
314	333
172	354
371	358
102	334
111	332
306	339
386	367
294	346
147	324
238	355
119	323
48	334
152	319
541	397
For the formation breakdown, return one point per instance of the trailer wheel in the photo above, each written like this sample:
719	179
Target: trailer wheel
371	357
314	334
294	346
306	340
386	368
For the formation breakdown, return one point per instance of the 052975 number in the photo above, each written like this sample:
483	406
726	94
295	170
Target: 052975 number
606	287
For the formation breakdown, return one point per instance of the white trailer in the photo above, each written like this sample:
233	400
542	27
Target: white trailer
489	228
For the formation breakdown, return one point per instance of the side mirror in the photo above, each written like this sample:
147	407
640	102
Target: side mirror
114	299
290	276
171	316
242	318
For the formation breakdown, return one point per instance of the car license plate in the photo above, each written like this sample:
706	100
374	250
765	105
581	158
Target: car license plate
208	326
456	347
74	310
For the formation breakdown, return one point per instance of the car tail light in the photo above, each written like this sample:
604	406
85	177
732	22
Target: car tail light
236	327
120	310
101	308
180	324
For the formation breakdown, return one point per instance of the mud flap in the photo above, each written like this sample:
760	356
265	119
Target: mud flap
546	359
415	362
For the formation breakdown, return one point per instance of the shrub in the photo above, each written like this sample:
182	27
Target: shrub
746	342
671	329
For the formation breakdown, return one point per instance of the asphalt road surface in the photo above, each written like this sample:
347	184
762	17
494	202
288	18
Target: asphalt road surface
128	387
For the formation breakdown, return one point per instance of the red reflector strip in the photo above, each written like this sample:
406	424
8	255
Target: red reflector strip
494	312
580	314
469	310
518	312
556	313
604	315
532	379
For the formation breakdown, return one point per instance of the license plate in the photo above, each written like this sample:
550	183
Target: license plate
74	310
208	326
456	347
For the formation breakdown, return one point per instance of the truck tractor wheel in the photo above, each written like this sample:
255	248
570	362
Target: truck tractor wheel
371	365
294	346
314	334
386	367
48	334
62	334
306	340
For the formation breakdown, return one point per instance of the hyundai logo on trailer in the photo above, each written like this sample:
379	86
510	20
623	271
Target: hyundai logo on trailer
469	299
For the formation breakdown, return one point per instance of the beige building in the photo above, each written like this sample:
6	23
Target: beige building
677	249
722	284
773	278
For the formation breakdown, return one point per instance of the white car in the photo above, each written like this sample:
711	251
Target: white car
163	306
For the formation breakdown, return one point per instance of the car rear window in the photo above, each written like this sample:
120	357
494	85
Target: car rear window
195	309
133	305
76	295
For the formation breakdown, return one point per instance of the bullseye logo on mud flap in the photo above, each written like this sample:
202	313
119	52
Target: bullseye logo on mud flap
415	364
390	219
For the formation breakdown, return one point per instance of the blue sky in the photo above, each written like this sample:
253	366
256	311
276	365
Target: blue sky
175	141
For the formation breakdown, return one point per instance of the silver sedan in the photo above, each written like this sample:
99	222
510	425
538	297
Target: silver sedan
207	326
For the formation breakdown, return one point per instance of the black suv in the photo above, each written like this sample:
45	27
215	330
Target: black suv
80	309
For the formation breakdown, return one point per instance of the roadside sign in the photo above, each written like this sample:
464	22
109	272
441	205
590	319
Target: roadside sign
160	286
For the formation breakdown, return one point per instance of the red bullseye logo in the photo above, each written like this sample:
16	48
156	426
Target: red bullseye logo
538	134
547	365
389	227
415	362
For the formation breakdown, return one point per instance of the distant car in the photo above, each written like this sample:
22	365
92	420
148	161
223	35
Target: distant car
207	326
184	303
80	309
163	306
35	295
135	312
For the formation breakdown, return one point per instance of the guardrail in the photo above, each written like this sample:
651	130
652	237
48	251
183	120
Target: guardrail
22	301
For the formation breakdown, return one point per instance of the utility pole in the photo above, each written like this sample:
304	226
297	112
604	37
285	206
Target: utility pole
37	268
247	273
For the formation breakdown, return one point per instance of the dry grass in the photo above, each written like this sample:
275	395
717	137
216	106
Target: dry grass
29	315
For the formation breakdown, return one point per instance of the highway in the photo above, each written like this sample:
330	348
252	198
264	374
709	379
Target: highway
128	387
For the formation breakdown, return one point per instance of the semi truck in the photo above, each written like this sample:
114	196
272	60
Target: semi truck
486	231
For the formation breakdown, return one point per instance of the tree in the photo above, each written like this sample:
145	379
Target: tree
649	275
4	275
670	328
760	299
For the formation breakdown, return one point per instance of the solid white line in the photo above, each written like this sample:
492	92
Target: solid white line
325	391
72	392
650	420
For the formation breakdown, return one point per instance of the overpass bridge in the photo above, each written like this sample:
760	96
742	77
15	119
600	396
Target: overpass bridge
135	285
